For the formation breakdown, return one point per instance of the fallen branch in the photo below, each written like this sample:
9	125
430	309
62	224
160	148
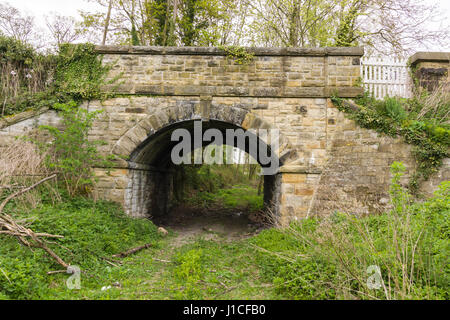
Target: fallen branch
43	235
20	192
9	226
56	271
161	260
111	263
131	251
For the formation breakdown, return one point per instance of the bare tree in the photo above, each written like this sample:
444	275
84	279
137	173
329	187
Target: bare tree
63	29
400	26
387	26
14	24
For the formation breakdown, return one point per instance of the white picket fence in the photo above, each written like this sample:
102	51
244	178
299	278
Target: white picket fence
386	76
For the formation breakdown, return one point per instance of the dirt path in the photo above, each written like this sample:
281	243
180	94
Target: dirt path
229	269
190	224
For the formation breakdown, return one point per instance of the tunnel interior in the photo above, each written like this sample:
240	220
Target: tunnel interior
152	169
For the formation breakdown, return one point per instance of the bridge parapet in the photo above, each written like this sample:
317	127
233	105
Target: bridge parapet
274	72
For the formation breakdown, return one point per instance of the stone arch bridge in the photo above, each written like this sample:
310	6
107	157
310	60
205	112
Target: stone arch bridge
327	162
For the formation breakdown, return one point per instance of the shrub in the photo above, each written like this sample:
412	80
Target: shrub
80	72
432	106
32	80
21	165
71	153
189	271
23	74
392	108
400	254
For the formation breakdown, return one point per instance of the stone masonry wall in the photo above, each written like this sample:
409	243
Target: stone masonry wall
287	72
340	165
431	69
25	123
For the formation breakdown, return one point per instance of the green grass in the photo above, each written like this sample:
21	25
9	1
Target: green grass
206	269
240	197
91	231
328	258
202	269
313	259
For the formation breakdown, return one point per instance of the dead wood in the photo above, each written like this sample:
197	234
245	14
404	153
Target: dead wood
131	251
25	235
56	271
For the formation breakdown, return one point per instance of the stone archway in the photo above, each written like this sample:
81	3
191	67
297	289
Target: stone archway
147	147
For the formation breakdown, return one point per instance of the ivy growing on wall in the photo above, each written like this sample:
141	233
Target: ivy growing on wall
80	72
76	73
431	142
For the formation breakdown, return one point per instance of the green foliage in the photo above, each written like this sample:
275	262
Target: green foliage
316	258
16	52
164	22
25	76
196	16
392	108
219	186
431	142
239	54
31	80
72	155
347	33
285	265
158	10
241	197
208	178
328	257
433	106
189	271
190	266
91	232
213	269
80	72
134	36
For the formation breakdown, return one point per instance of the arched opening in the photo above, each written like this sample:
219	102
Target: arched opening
155	176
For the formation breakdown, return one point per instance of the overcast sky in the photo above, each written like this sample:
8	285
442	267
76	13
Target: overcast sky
40	8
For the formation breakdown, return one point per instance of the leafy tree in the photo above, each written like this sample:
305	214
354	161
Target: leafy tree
164	22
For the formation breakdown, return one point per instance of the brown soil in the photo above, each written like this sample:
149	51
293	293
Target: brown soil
189	223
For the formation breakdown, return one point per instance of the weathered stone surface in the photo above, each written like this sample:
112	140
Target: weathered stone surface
274	72
432	69
192	51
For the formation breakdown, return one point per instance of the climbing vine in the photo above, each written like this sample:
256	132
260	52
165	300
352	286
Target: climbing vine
80	72
239	54
431	142
34	81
